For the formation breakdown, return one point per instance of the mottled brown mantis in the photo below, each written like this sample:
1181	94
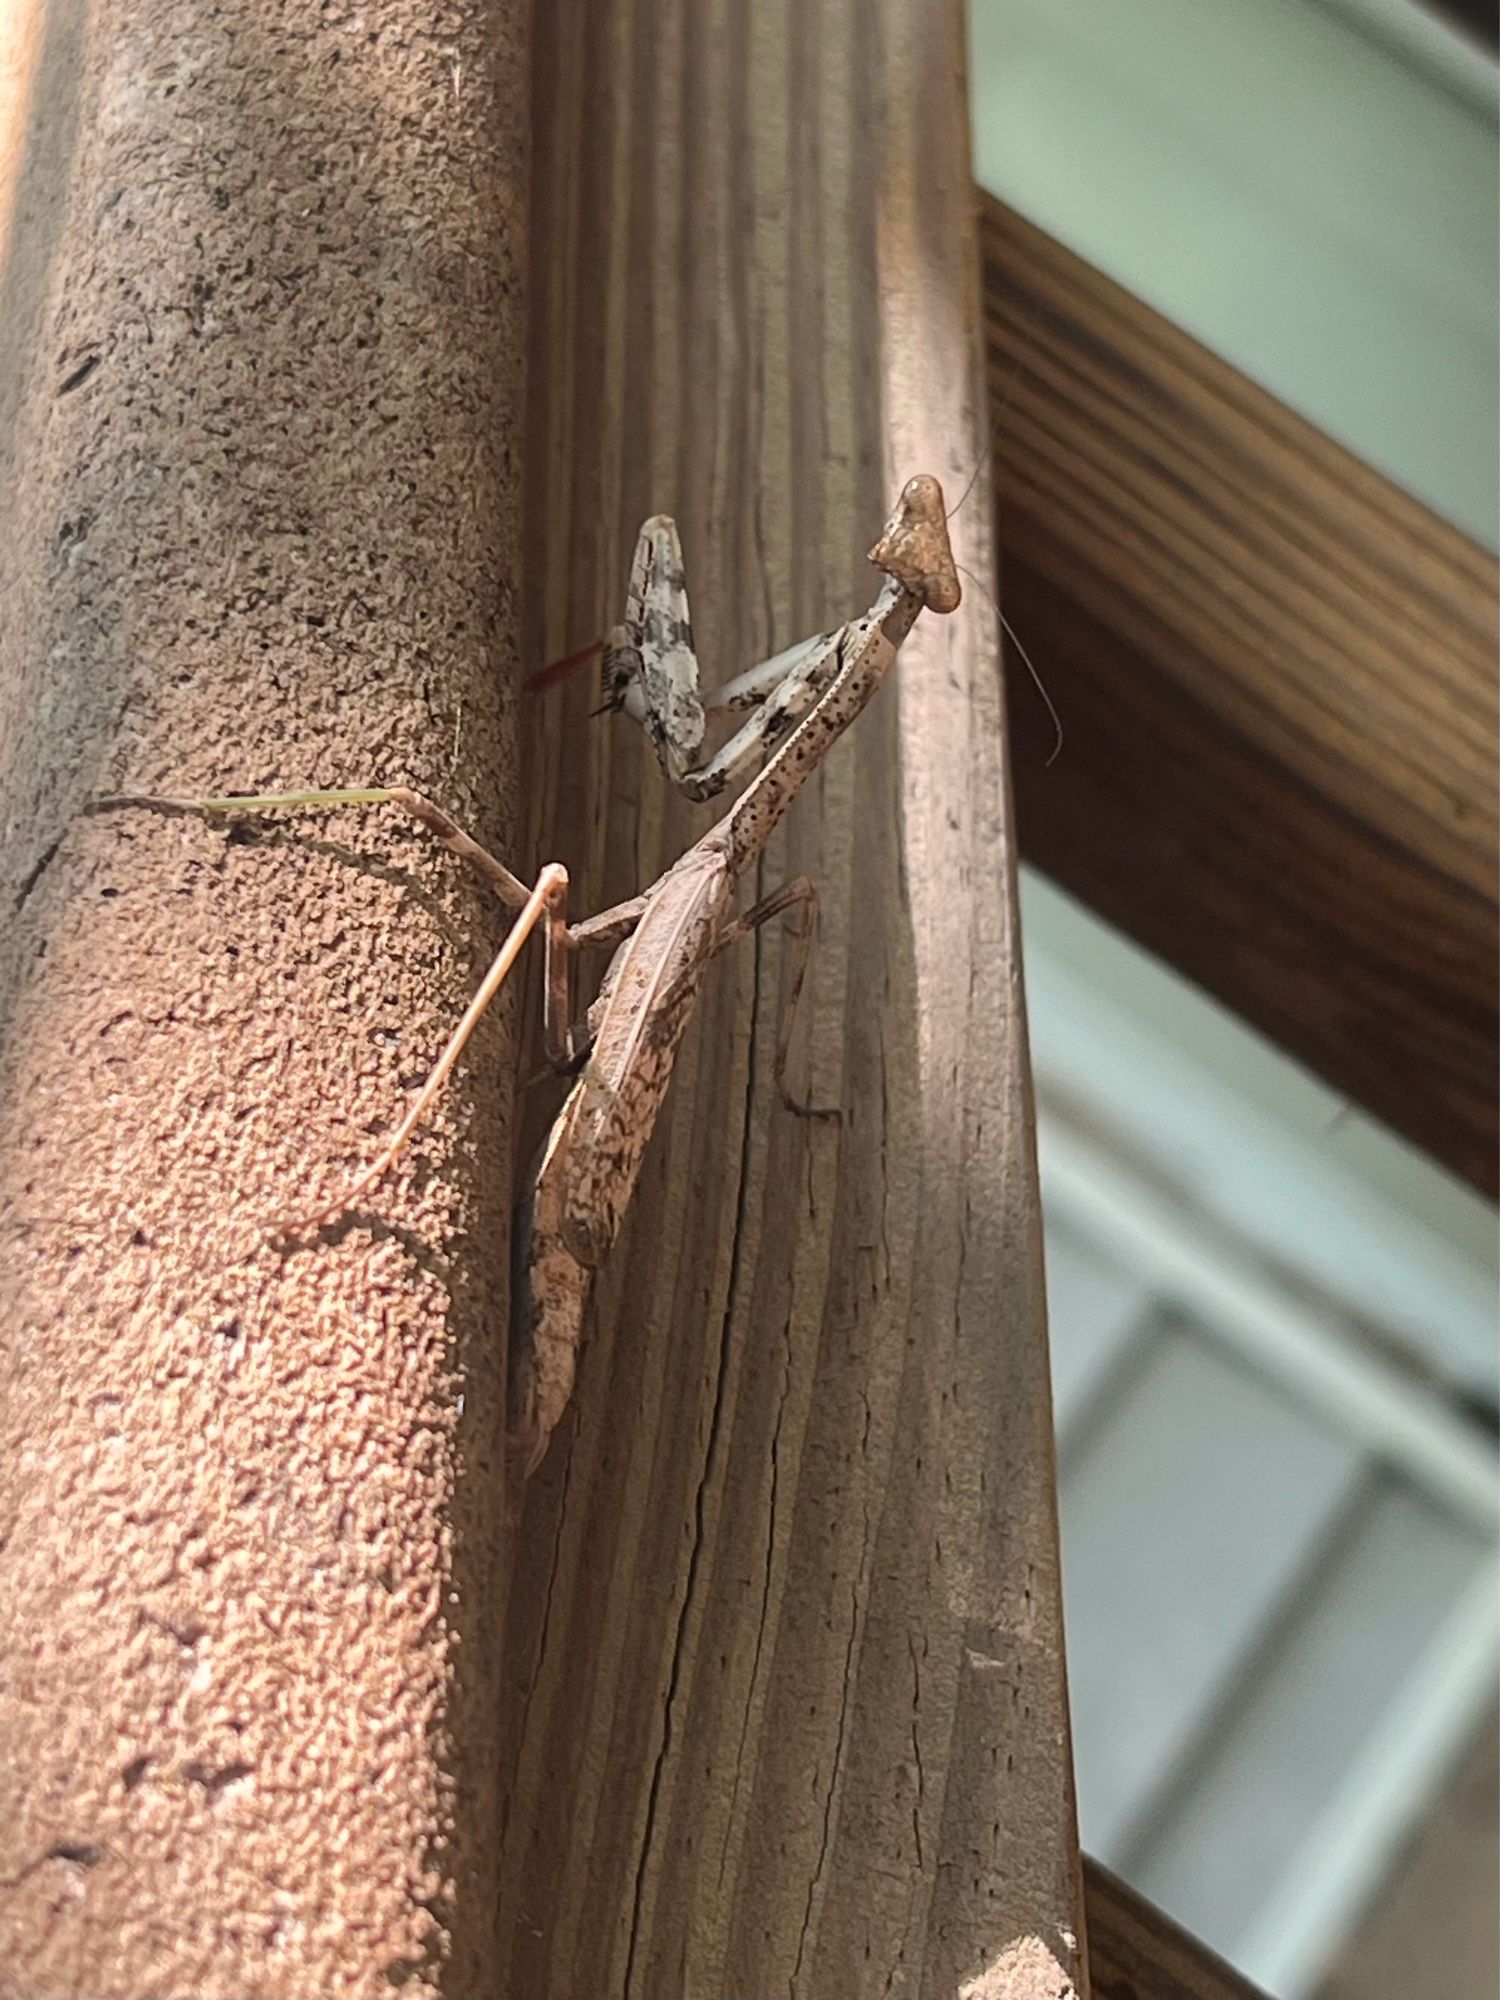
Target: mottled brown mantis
803	700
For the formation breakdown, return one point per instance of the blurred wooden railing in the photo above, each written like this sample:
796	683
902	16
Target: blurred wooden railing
1276	676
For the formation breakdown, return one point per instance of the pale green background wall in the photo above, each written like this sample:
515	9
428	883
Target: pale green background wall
1310	198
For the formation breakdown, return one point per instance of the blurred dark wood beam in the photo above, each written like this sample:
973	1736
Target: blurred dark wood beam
1480	18
1137	1953
1276	675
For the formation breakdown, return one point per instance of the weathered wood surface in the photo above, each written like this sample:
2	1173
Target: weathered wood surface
1276	673
1136	1953
786	1670
261	320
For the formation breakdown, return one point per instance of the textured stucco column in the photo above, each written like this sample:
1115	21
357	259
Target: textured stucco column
261	321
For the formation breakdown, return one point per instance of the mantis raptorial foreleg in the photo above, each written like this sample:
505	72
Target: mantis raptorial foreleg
649	659
804	674
650	671
749	689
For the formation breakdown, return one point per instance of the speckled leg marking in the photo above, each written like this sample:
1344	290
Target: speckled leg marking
650	668
650	672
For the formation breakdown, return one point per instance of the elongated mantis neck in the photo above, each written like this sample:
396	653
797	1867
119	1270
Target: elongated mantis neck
869	649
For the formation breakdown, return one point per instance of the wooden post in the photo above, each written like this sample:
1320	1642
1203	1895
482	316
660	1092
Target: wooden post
786	1680
260	461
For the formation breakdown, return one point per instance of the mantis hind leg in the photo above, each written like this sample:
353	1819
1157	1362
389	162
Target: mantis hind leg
543	903
513	892
551	913
565	1045
802	896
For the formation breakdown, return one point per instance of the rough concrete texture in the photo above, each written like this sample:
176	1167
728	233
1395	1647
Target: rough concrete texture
262	317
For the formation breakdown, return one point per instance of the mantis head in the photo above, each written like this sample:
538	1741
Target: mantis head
914	548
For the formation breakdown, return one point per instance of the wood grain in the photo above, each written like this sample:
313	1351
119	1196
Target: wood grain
1276	677
1137	1953
786	1663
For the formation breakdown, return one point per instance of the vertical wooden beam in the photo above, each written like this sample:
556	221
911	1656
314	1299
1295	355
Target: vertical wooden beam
259	456
785	1648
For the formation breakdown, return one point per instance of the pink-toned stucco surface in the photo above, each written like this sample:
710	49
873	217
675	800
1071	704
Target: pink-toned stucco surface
261	323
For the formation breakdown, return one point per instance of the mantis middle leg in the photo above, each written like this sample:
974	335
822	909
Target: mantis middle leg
801	895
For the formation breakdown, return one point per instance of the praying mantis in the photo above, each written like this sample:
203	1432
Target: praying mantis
664	939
